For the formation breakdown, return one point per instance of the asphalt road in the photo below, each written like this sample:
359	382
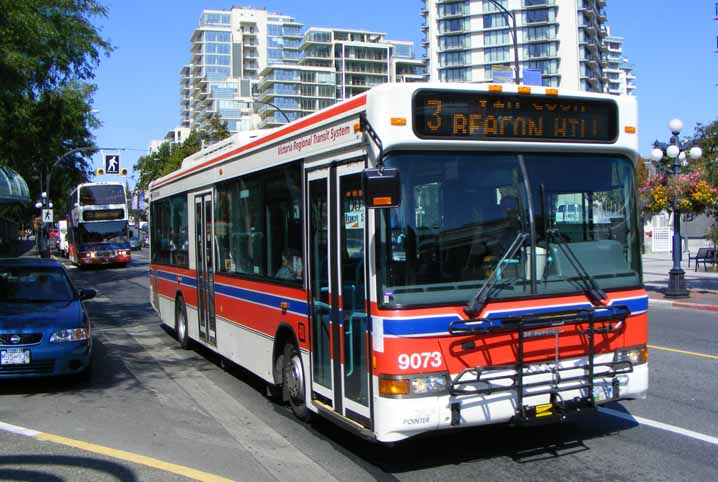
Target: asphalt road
182	415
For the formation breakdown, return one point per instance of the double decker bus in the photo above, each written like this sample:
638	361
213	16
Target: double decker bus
97	230
401	262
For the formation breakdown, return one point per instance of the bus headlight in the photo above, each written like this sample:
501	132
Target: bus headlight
636	355
414	385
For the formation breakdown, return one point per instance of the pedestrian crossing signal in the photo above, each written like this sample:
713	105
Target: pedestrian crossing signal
123	171
99	171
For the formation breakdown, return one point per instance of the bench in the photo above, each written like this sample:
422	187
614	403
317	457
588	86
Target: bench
705	255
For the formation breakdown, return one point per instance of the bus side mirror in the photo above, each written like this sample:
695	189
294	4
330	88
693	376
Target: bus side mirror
382	187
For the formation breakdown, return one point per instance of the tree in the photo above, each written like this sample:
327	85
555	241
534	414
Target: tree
706	136
169	156
48	51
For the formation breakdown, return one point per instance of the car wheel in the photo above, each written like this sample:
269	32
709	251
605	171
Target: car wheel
293	382
181	323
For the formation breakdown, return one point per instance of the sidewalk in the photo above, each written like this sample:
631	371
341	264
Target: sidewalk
703	285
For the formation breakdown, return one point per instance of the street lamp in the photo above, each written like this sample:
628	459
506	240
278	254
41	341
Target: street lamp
272	105
676	151
510	15
44	202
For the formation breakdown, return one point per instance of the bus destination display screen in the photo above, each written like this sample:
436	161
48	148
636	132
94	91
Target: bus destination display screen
103	215
489	116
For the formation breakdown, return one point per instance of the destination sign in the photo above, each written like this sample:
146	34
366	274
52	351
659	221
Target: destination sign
103	215
490	116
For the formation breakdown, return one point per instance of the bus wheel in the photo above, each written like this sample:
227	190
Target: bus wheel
181	323
293	382
275	391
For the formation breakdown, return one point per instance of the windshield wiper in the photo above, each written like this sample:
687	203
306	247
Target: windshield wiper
594	292
476	304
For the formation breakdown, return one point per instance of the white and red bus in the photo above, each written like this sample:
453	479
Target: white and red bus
401	262
97	225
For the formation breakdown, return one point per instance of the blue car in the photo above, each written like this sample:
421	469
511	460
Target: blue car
44	329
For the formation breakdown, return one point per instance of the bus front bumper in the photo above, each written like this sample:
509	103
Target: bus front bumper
401	418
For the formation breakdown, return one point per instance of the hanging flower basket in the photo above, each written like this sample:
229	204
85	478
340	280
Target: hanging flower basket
692	190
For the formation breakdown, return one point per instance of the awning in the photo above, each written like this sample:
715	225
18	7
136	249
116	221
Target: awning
13	188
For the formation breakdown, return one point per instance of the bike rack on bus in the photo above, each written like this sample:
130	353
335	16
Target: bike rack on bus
476	381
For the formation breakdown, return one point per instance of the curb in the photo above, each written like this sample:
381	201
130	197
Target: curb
683	304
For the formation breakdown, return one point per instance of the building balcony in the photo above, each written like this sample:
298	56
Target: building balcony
423	12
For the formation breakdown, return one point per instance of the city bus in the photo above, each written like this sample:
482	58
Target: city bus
97	225
396	263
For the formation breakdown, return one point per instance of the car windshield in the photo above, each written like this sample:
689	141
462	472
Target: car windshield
460	212
29	283
104	232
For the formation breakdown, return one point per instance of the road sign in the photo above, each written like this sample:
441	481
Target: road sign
112	164
47	216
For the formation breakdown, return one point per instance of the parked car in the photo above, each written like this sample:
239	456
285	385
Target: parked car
44	328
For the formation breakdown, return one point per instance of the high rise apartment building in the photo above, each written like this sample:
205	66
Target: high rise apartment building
335	64
247	63
228	50
470	41
619	72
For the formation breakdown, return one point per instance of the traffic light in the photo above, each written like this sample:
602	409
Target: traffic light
99	171
123	171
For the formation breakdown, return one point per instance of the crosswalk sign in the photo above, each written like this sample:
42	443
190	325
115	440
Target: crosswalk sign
47	216
112	164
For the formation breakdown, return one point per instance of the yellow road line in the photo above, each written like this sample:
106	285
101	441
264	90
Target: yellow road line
135	458
684	352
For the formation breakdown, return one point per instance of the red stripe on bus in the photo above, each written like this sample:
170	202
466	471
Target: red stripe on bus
260	287
304	122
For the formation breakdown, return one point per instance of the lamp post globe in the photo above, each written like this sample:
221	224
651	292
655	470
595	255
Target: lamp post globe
656	154
695	152
673	151
675	125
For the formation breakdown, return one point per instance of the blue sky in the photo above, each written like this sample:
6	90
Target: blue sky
671	43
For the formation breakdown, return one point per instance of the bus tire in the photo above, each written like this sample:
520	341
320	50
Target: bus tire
181	323
275	391
293	382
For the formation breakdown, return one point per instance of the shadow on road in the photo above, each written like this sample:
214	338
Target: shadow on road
44	468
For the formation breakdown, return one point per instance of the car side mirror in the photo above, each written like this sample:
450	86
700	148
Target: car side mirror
87	293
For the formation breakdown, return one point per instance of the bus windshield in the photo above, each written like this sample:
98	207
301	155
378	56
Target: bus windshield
104	232
461	212
102	194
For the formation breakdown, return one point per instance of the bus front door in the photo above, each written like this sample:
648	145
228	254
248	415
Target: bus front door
205	267
339	323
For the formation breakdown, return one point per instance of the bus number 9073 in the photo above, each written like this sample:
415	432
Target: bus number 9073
420	360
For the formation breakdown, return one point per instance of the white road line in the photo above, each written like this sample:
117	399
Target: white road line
8	427
660	425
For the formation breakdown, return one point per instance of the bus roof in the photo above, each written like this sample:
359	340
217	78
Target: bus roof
387	102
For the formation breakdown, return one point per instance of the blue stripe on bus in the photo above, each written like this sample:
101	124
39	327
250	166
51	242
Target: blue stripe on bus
266	299
186	280
432	325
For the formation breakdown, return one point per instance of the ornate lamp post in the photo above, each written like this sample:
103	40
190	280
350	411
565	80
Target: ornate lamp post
43	203
676	151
